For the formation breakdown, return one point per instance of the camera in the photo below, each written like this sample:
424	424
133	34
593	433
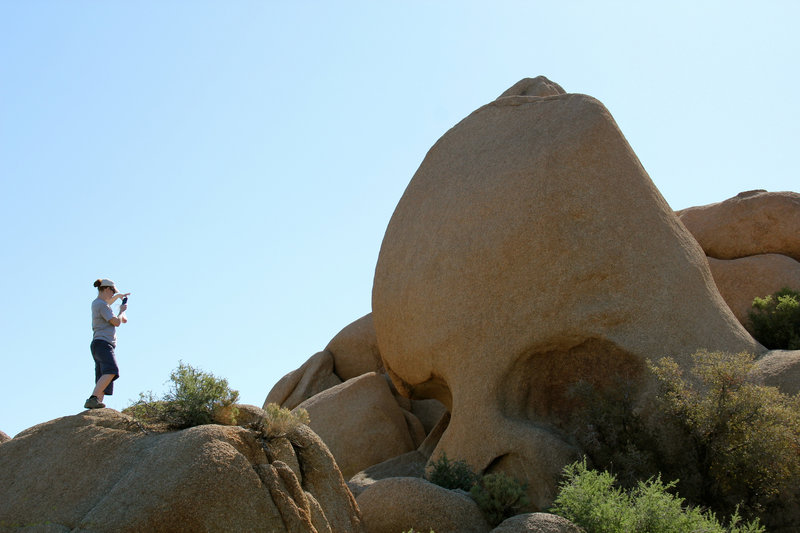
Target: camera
124	300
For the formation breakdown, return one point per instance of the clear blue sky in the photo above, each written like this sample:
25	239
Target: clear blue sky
234	164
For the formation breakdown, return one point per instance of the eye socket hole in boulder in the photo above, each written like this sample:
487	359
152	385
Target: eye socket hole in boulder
540	386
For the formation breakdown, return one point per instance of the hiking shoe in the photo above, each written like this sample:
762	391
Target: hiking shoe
93	403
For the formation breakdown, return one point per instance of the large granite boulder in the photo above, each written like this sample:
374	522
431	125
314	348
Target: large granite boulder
360	422
410	464
355	349
537	523
4	437
401	503
740	280
351	353
100	471
780	369
313	376
751	223
530	251
353	405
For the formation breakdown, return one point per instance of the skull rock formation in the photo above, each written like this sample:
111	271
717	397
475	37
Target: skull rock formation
531	250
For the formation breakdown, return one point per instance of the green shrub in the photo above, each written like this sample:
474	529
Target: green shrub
593	501
451	474
280	421
611	432
191	400
742	439
147	408
499	497
776	320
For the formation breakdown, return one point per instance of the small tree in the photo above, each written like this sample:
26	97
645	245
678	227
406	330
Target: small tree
743	438
191	400
776	320
451	474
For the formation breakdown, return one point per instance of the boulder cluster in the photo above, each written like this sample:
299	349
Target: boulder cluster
531	251
752	245
102	471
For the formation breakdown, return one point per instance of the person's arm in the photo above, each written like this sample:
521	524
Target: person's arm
120	318
116	321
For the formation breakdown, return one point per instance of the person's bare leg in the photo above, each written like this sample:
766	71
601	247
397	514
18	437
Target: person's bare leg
102	383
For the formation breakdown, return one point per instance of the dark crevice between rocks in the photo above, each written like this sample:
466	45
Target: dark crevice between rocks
285	489
494	464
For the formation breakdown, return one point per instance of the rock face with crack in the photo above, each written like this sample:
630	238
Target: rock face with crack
99	471
530	251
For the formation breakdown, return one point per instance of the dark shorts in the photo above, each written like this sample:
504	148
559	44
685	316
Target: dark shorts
104	363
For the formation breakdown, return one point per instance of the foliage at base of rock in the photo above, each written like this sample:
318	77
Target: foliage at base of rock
499	497
743	439
592	500
609	429
193	398
451	474
776	320
279	421
730	444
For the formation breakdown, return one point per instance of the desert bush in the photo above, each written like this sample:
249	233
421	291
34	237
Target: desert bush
742	439
593	501
499	497
279	421
147	408
611	432
451	474
191	400
775	320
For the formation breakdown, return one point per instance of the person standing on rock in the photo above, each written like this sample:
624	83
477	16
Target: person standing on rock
104	340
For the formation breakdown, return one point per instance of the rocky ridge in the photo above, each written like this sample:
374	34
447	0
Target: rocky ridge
102	471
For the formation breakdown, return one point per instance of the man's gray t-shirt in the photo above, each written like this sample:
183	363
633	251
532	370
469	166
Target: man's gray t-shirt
101	314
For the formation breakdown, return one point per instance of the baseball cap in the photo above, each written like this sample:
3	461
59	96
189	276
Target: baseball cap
108	283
